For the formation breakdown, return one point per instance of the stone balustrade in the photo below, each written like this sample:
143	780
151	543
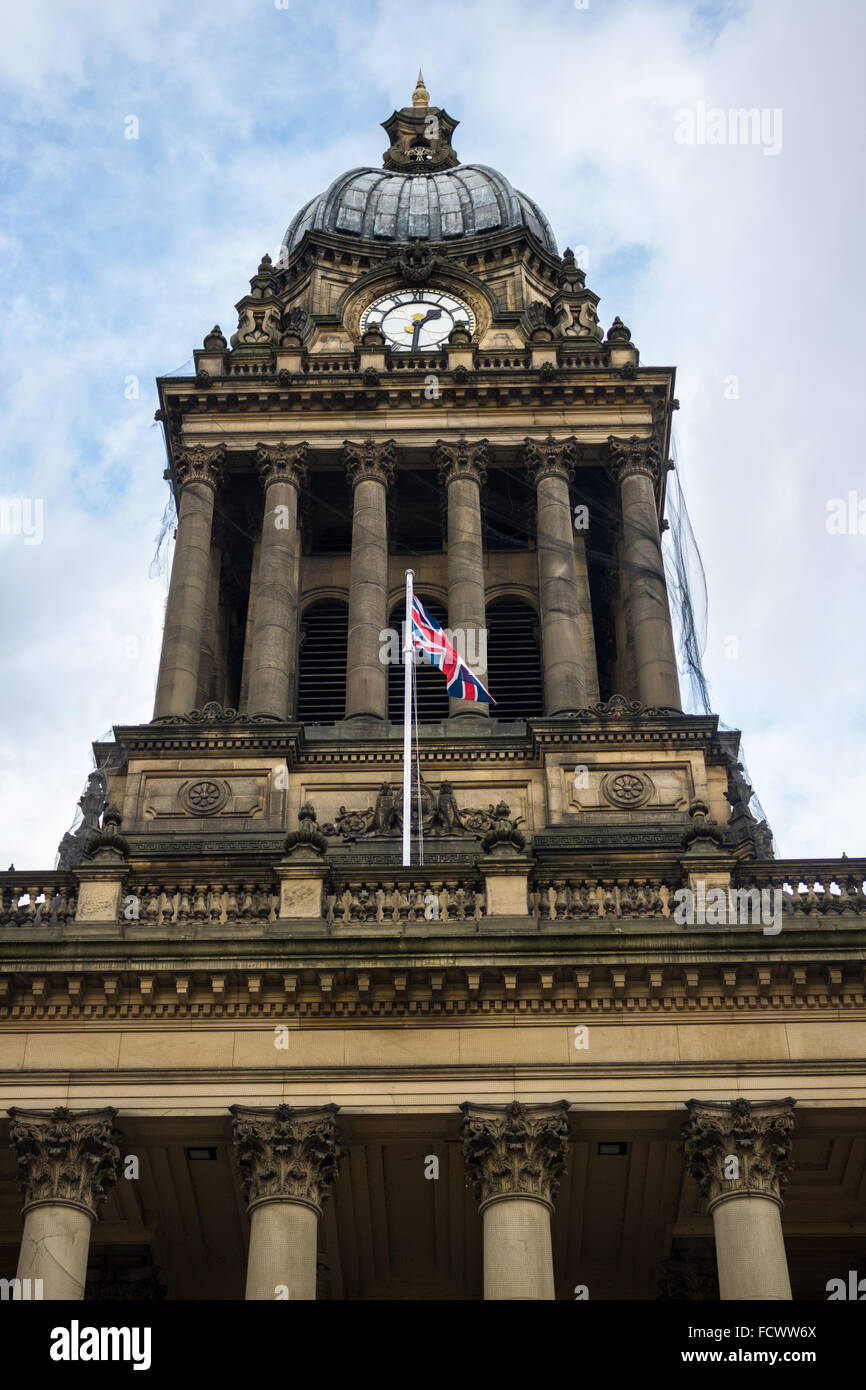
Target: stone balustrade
810	889
36	900
383	900
563	899
167	904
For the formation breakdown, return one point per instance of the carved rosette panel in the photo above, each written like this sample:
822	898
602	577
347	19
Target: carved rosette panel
633	455
756	1133
627	790
204	797
282	463
199	465
65	1155
462	460
515	1150
550	457
370	460
286	1153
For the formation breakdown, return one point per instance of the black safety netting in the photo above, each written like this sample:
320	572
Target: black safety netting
687	593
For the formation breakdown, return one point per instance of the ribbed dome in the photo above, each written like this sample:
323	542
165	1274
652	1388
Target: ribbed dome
391	205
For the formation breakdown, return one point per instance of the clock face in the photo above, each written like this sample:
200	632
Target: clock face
417	320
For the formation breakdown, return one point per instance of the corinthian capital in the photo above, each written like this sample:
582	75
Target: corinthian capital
739	1146
282	463
461	460
199	465
515	1150
370	460
550	457
287	1153
64	1155
626	457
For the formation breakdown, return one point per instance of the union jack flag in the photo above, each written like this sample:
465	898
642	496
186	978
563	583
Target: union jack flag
430	639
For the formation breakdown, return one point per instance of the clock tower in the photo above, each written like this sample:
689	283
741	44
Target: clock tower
484	1059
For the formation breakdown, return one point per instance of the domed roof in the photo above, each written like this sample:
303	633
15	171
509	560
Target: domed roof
396	205
423	190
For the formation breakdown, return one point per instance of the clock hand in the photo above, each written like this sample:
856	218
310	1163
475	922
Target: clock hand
419	324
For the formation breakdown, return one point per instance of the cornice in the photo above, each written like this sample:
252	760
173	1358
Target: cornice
164	992
633	728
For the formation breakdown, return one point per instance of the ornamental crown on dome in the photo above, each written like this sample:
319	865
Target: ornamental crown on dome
420	135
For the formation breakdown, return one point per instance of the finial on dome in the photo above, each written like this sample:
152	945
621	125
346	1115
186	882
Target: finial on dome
420	96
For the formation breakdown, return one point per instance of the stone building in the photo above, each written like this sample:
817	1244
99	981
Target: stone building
242	1049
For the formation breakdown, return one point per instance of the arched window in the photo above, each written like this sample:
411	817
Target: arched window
430	683
514	660
322	662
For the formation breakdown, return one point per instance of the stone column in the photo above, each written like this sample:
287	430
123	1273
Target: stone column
587	627
462	470
370	468
635	464
515	1156
287	1159
198	472
551	465
282	470
738	1153
67	1162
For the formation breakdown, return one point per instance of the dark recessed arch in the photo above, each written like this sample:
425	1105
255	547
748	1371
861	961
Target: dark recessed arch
514	659
324	633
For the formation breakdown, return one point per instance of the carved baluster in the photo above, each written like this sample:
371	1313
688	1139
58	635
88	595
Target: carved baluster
627	899
831	899
231	907
560	906
811	901
479	908
199	910
445	900
182	906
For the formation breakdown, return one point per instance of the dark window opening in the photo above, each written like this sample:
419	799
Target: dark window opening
237	520
507	509
324	636
599	496
416	513
431	689
514	660
326	513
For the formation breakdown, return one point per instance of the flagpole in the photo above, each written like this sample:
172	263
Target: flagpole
408	670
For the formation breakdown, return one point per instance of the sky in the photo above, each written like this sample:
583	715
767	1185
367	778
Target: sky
151	154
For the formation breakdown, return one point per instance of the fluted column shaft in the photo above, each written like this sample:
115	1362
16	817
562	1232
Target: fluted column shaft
551	465
198	473
738	1153
67	1162
370	468
272	664
515	1156
462	472
635	464
287	1159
